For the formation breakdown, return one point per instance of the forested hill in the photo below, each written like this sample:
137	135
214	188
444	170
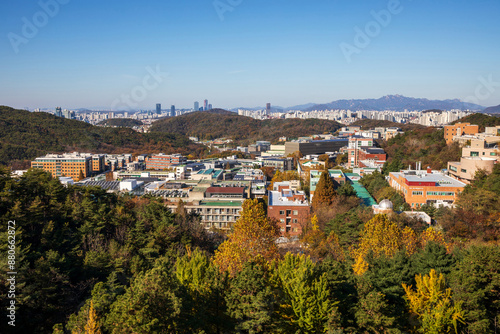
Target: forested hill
26	135
426	145
220	123
121	122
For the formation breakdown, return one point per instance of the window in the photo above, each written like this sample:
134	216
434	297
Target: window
282	212
453	168
493	153
282	220
417	193
463	170
295	221
474	154
288	213
295	212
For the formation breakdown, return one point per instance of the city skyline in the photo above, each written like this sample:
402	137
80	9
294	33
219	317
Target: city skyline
245	54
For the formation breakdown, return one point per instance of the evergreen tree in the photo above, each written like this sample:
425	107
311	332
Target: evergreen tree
325	191
476	282
306	304
433	256
204	286
250	300
346	190
150	304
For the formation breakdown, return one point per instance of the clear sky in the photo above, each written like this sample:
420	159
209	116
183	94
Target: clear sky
245	52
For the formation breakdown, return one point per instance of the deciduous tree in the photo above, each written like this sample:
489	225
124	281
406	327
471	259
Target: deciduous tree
254	235
433	305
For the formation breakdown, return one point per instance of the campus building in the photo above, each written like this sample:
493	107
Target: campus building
307	147
459	129
481	154
68	165
421	187
289	207
164	161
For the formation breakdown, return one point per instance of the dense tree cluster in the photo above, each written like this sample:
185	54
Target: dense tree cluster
121	122
216	124
90	261
25	136
426	145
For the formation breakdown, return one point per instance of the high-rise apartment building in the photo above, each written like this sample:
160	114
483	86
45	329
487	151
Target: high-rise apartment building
205	105
158	108
172	111
196	106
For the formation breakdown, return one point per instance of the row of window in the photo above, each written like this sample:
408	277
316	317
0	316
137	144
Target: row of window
68	160
289	212
288	221
476	154
434	193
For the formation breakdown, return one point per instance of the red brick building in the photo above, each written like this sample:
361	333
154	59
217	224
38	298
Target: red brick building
290	208
163	161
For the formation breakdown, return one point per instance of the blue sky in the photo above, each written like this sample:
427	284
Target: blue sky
99	54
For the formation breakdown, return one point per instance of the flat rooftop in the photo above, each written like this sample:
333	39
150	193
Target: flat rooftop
439	179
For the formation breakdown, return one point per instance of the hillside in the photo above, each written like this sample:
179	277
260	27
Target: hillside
121	122
366	124
492	110
482	120
396	102
426	145
220	123
25	135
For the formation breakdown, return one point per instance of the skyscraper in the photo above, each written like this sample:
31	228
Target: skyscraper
209	106
158	108
172	111
205	105
196	106
59	112
268	108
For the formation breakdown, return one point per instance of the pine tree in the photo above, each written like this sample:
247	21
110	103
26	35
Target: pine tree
251	301
205	288
325	191
306	305
476	282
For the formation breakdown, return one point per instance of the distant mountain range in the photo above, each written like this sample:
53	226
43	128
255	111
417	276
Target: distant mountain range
492	110
397	103
388	102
